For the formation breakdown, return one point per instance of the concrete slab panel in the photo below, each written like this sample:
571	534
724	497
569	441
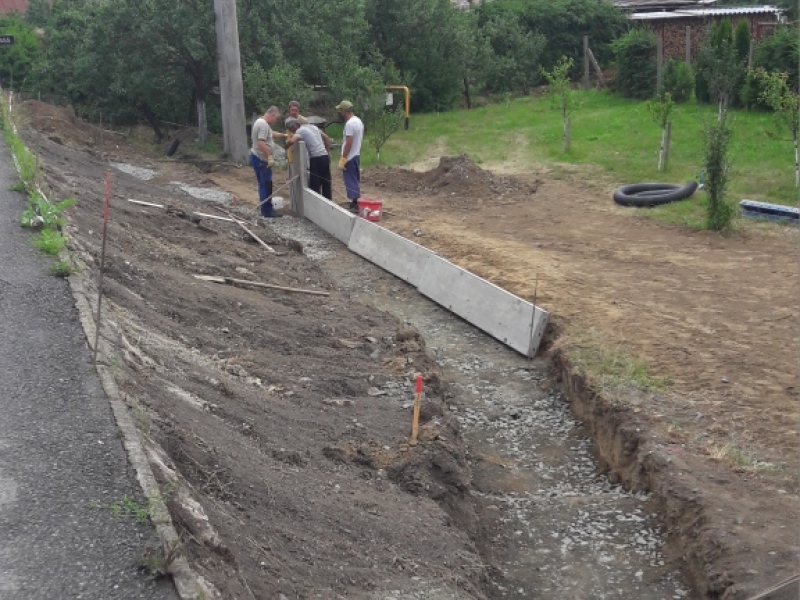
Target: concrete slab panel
392	252
328	216
501	314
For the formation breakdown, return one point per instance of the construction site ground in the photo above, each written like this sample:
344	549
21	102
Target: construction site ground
280	421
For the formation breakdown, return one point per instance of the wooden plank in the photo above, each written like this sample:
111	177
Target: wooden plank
143	203
785	590
252	235
217	217
269	286
597	68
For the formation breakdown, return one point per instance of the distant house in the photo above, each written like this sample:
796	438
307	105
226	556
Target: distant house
681	25
9	6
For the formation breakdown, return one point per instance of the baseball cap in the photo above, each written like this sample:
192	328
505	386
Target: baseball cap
344	105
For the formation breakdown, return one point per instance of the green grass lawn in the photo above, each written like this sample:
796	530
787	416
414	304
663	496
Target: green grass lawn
612	133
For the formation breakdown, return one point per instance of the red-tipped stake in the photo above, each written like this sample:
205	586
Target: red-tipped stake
417	406
106	209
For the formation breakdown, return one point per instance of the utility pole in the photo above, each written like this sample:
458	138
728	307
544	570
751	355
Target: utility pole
230	80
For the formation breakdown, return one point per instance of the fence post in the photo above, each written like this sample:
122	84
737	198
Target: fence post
688	44
586	62
659	63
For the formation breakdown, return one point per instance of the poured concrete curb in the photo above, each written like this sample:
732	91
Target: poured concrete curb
390	251
501	314
506	317
189	584
328	216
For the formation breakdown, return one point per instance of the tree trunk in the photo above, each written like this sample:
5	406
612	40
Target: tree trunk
796	163
667	144
152	120
661	149
202	123
466	92
567	134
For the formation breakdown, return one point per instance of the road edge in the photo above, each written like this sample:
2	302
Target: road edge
188	583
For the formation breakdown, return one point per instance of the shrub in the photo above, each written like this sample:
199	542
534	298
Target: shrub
635	54
717	167
701	91
779	53
678	80
741	40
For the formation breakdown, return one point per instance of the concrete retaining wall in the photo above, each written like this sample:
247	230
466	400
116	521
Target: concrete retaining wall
501	314
328	216
391	252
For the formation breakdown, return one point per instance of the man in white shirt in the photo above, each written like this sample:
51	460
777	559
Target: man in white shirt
350	163
319	162
261	158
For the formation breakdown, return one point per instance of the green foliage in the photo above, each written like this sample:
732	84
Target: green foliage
741	40
62	268
785	101
720	66
383	126
278	86
660	109
561	94
779	53
43	214
678	80
717	136
563	23
127	508
50	241
416	37
514	60
635	54
19	58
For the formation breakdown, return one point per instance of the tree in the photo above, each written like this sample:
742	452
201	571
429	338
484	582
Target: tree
660	110
383	126
785	101
18	60
741	40
635	54
416	37
562	95
717	167
278	86
721	67
514	62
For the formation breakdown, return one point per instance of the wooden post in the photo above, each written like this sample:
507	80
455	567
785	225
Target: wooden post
667	142
688	57
659	62
586	62
223	73
230	79
567	134
417	407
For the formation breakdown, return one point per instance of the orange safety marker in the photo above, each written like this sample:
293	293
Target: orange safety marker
417	406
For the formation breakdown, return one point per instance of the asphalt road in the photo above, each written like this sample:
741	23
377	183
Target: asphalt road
62	463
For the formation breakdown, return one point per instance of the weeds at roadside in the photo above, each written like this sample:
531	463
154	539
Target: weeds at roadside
62	268
156	563
49	241
18	187
127	508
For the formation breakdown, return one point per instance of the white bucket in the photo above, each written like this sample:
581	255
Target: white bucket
277	202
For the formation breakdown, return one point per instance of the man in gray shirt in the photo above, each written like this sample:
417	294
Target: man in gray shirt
319	161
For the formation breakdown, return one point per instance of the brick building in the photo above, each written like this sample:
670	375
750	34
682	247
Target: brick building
9	6
674	24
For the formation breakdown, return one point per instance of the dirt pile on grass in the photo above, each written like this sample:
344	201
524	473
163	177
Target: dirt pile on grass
457	178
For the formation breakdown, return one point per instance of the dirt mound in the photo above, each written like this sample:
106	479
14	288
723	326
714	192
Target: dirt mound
457	177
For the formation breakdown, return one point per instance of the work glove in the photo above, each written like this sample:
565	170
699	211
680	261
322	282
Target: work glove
343	163
270	161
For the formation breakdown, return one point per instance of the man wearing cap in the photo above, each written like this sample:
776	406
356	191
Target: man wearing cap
261	158
350	163
319	162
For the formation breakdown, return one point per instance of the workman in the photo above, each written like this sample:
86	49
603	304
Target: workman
262	159
293	111
319	147
350	162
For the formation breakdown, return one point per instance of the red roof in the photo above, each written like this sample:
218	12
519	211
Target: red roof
7	6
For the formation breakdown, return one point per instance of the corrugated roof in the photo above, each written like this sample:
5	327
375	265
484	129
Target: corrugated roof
656	4
7	6
720	11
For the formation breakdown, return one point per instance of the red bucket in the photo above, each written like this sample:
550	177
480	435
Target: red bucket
370	209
